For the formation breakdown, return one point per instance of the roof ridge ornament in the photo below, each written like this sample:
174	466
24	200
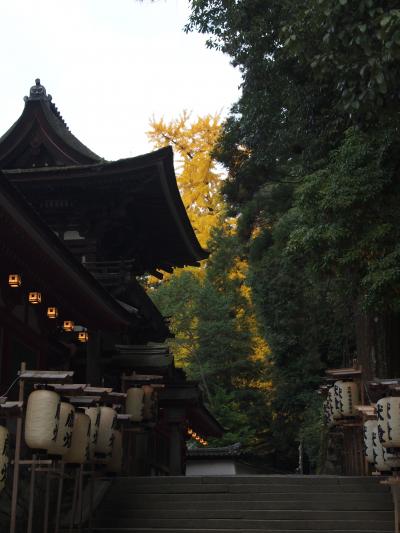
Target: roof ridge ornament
38	92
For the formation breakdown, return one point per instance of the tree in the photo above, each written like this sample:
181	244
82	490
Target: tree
212	314
311	154
199	179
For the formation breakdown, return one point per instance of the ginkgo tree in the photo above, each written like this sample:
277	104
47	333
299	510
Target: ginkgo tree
199	178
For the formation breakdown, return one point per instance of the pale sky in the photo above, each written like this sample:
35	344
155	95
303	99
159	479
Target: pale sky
110	66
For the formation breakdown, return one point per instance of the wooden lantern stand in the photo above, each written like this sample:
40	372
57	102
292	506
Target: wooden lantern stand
352	426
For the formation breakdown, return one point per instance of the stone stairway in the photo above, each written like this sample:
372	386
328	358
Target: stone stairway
242	504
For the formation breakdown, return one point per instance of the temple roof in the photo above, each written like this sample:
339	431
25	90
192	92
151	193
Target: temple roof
139	210
40	137
131	207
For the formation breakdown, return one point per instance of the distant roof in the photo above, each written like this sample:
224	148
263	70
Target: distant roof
234	450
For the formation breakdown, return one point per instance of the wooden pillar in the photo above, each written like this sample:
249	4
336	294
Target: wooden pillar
93	370
175	418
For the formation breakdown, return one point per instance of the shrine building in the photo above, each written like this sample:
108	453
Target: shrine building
76	232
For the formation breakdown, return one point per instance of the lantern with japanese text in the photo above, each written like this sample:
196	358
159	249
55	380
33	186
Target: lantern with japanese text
64	435
42	419
78	453
333	404
4	456
382	420
347	396
370	426
94	415
134	403
105	438
383	460
115	463
392	423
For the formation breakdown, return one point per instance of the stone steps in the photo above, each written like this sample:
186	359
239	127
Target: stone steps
239	504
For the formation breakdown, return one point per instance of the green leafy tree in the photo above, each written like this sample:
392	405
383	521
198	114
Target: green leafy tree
311	152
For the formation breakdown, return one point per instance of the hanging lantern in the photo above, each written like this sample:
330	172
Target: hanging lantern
94	415
63	441
52	312
392	423
382	420
134	403
42	419
149	403
108	420
35	297
83	336
78	452
14	280
370	426
4	456
115	463
190	431
68	325
347	397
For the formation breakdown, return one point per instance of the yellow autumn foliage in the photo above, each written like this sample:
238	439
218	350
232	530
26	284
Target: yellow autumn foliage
199	179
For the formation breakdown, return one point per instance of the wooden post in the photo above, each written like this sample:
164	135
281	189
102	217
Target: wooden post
74	501
18	439
47	503
396	501
59	496
80	508
31	494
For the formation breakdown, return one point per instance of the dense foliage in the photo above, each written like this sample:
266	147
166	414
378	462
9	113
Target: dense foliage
312	153
212	315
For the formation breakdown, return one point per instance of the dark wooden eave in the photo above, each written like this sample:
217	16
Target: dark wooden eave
28	243
132	207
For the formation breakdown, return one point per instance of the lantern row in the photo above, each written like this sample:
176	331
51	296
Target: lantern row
78	435
381	436
196	437
35	297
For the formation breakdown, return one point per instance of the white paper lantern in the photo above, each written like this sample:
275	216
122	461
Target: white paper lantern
94	415
392	423
78	452
347	395
63	441
134	403
4	456
370	426
149	403
115	463
333	404
41	419
382	420
383	460
108	420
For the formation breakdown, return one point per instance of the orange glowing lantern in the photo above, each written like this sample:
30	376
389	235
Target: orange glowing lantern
52	312
83	336
68	325
14	280
35	297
